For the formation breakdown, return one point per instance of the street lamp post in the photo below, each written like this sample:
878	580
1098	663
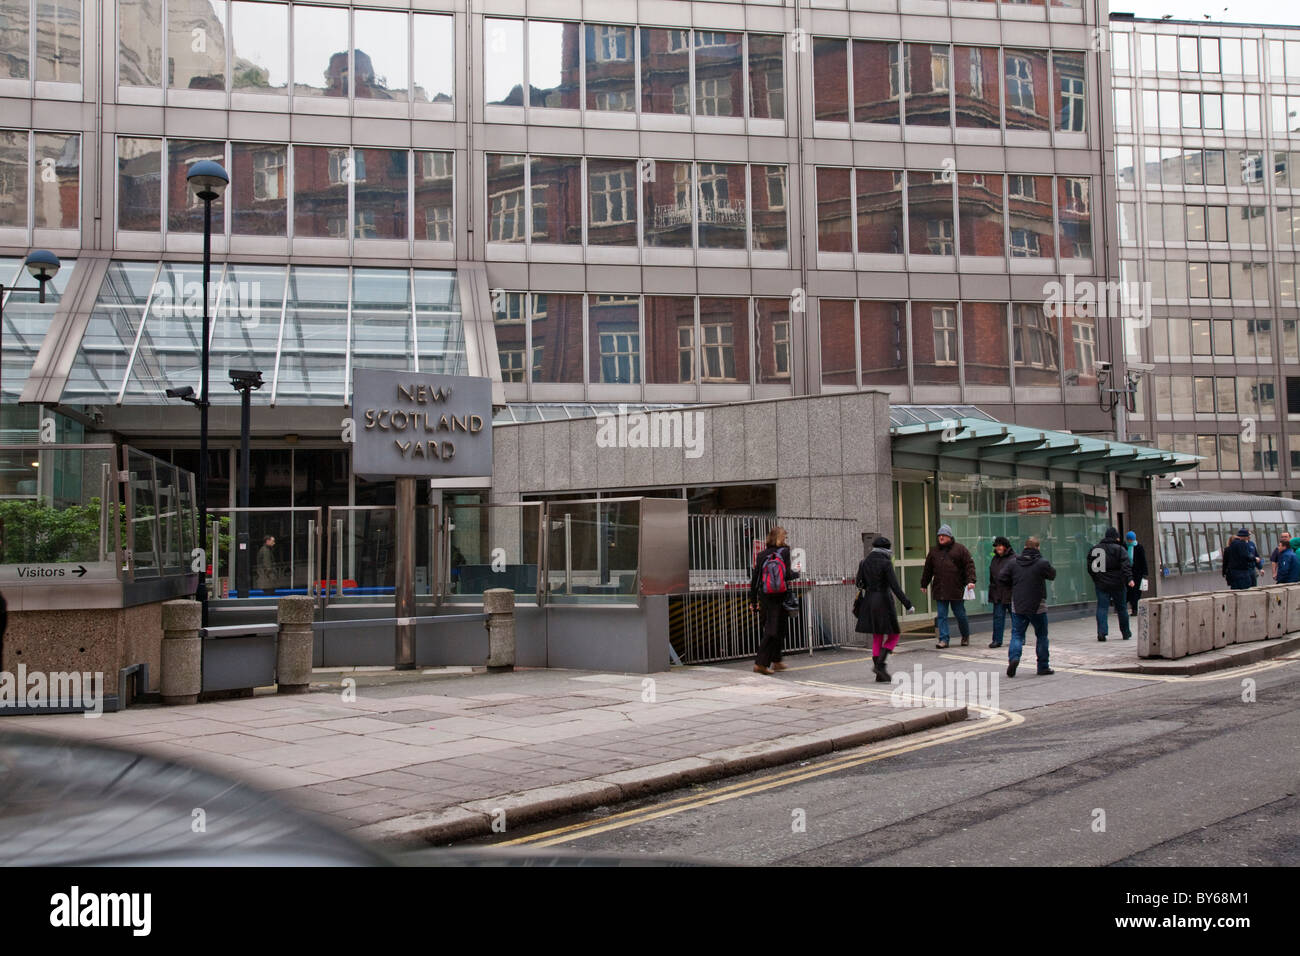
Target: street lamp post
43	266
244	381
207	180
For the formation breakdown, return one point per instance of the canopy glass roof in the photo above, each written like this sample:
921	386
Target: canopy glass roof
26	320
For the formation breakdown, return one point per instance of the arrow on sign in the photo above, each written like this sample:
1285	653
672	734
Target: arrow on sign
81	571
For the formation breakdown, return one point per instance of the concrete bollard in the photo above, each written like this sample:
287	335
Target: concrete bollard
1148	627
293	645
1276	597
1252	615
1200	624
1173	629
1225	618
499	605
182	652
1292	607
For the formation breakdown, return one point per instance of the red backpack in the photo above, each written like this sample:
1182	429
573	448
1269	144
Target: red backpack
773	574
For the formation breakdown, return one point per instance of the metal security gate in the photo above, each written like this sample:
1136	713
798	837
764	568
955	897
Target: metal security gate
713	621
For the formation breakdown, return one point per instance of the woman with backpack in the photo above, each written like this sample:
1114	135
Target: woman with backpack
875	607
769	589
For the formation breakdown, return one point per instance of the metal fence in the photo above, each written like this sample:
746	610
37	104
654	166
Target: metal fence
713	621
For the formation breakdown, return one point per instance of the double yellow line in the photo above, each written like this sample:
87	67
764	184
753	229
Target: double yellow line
990	720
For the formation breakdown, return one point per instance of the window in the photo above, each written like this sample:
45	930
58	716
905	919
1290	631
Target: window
613	197
781	349
613	100
718	352
894	86
620	356
939	237
512	364
436	165
945	335
611	43
1085	344
1024	244
437	224
685	353
1070	91
506	216
775	187
268	174
1020	84
714	97
939	70
366	228
1021	187
345	168
1075	193
1034	343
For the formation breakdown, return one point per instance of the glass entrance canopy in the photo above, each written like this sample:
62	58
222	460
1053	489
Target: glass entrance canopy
305	328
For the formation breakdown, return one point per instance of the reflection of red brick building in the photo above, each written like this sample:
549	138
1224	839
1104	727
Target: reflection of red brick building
979	214
665	70
884	342
984	343
875	81
1029	208
557	338
929	210
835	211
1026	90
928	83
978	87
772	345
830	86
670	334
880	211
838	341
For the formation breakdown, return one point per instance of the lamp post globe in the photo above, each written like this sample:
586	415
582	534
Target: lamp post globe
208	179
43	266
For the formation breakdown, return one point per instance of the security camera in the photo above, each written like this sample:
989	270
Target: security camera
1175	481
1102	366
245	378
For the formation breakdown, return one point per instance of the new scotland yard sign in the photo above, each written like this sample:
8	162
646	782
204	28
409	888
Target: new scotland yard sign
421	425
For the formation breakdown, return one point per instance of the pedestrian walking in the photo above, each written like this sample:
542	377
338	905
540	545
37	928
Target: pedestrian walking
1027	576
1288	562
951	569
769	589
999	593
1240	562
875	607
1283	544
1111	573
1137	557
266	565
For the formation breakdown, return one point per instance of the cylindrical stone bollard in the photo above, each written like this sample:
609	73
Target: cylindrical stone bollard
293	646
499	605
182	652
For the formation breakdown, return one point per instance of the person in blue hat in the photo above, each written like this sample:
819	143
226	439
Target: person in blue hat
1137	557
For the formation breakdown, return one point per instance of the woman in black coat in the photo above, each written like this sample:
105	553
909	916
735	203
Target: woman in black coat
875	609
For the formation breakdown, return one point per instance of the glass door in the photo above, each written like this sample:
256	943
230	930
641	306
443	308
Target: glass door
912	520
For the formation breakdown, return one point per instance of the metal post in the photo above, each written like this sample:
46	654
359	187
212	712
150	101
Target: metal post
245	547
404	596
203	406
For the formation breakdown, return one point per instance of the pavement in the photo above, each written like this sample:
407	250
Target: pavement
409	758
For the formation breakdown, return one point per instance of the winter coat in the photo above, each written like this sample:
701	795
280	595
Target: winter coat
876	578
756	576
1140	570
266	569
1027	576
999	593
1240	561
1288	567
951	568
1117	570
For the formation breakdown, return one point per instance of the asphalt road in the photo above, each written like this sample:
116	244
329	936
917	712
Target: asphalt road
1079	769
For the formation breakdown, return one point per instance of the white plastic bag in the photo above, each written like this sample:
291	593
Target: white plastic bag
970	593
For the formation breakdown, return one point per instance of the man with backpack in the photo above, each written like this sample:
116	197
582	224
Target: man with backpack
769	592
1112	576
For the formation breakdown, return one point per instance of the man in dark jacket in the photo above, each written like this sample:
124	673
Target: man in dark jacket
1137	557
951	568
999	593
1112	574
1240	561
1283	544
1027	576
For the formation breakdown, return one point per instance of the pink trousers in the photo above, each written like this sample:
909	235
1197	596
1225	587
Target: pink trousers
890	641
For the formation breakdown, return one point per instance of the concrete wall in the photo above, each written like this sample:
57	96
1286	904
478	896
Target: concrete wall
94	640
829	457
1189	624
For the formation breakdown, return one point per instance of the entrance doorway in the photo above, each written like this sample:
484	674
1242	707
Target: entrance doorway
913	534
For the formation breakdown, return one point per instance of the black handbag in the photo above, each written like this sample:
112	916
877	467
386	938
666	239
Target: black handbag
857	603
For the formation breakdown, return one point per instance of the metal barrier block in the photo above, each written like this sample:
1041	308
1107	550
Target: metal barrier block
1200	624
1225	618
1277	601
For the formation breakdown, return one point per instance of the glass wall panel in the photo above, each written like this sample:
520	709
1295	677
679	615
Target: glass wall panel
611	202
15	41
665	71
315	342
379	41
880	211
768	185
984	343
1029	209
979	204
611	67
433	72
557	338
557	199
507	213
878	81
929	211
1035	346
380	193
184	209
258	189
928	83
1025	89
835	210
246	323
13	178
668	204
724	340
1070	91
381	319
839	348
772	347
1074	200
439	331
58	40
170	344
320	51
1081	347
509	321
553	79
196	44
614	339
320	191
670	336
884	342
720	208
26	322
766	76
434	195
139	184
259	34
830	79
56	181
139	31
100	364
719	74
503	42
934	343
979	94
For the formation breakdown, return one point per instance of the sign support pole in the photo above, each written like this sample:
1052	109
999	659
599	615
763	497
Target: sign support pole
405	589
